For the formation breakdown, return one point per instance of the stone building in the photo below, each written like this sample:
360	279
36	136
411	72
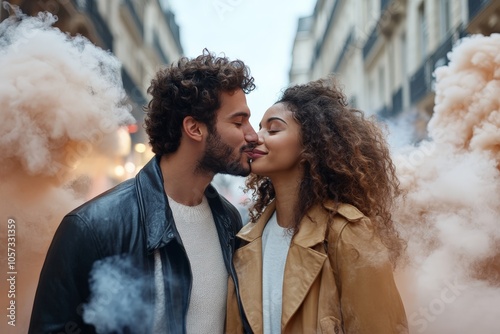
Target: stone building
385	51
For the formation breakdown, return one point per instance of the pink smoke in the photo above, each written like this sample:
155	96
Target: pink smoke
451	214
61	106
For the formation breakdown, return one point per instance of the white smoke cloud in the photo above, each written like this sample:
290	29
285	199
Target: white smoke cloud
450	215
117	299
401	132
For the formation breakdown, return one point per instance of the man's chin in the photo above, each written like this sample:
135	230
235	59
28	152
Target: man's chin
245	173
239	169
246	168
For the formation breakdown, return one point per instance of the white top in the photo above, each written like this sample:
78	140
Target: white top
160	319
207	306
275	245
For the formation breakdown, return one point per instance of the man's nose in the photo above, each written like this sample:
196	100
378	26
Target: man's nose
251	135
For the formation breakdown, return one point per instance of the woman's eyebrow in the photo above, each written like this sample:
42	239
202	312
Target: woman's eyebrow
270	119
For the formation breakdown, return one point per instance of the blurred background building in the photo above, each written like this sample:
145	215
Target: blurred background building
385	51
143	35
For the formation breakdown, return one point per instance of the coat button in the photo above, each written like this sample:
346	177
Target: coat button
170	235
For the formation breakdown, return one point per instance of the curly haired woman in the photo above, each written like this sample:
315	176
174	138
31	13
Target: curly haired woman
319	251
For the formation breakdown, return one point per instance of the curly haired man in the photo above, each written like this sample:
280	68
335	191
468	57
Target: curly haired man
169	221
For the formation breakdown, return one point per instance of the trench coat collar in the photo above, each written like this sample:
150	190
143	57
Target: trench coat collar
312	226
297	278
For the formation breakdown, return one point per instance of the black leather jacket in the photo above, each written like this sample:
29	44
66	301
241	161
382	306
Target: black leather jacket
133	218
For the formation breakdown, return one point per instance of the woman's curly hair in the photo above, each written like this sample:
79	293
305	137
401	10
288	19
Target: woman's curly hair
345	158
190	87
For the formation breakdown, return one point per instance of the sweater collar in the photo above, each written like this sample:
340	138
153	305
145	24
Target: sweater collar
155	211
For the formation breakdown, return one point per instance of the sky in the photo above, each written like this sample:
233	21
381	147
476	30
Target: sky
259	32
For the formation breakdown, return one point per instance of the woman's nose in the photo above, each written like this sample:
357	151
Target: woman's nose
260	137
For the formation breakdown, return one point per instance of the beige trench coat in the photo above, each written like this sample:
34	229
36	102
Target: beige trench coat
335	281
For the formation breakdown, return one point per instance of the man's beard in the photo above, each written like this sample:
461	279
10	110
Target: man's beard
218	158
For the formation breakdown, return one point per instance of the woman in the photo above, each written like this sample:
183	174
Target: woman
319	251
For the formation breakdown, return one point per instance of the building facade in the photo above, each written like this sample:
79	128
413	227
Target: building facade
142	34
384	52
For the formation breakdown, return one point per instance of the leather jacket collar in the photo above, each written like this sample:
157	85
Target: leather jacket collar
157	216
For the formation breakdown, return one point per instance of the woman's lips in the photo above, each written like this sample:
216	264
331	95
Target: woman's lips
255	154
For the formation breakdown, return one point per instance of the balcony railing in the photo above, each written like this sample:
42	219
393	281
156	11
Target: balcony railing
422	81
440	56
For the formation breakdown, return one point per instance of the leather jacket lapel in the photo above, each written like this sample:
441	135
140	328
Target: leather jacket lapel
153	206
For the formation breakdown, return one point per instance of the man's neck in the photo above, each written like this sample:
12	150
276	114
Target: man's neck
180	180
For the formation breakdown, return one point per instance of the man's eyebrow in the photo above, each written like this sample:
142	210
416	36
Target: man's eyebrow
240	114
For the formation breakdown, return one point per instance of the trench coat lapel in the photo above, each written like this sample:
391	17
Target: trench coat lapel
303	263
248	264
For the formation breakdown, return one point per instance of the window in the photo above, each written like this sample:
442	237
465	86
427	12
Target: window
369	11
404	65
445	17
381	85
371	94
423	32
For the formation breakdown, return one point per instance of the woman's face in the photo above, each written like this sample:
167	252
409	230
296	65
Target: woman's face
279	146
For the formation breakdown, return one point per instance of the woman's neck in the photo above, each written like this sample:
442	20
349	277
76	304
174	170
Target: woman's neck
287	194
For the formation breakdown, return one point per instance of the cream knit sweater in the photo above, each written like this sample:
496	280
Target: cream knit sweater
207	306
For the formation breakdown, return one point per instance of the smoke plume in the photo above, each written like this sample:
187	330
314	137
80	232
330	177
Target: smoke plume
61	105
450	216
118	291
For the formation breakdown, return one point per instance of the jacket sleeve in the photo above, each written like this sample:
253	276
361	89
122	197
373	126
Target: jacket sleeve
63	287
369	299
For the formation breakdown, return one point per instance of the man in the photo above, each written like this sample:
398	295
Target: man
169	220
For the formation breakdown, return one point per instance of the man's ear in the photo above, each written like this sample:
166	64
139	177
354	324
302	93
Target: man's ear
193	128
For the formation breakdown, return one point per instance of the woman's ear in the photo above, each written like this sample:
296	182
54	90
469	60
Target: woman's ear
193	128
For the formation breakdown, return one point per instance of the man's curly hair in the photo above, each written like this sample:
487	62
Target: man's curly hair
190	87
345	158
